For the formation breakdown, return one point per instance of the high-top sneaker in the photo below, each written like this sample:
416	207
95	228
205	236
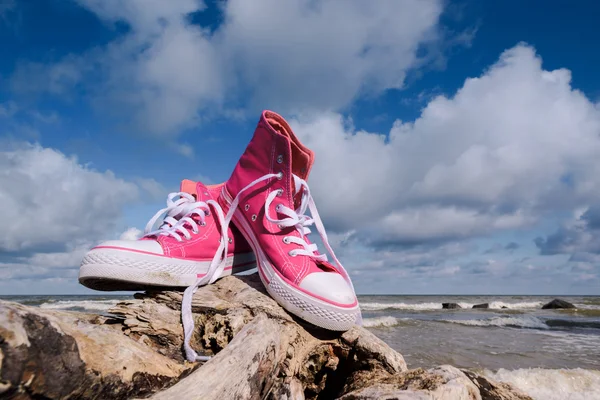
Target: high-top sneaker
176	254
267	197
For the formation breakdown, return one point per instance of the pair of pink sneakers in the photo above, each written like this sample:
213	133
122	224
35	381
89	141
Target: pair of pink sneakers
266	198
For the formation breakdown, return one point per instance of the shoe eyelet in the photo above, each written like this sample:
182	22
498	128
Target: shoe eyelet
292	253
207	213
253	217
279	159
279	192
230	240
278	207
202	223
286	240
280	226
247	207
280	175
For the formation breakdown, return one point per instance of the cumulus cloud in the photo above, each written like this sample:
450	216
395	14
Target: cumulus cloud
51	203
131	234
325	53
165	72
45	265
55	210
578	237
511	146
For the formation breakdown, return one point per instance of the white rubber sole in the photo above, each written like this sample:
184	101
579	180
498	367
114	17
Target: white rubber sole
113	269
295	301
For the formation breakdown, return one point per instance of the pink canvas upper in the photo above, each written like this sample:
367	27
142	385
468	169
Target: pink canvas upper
274	148
203	245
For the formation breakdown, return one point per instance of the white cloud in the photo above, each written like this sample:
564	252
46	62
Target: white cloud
579	236
49	202
419	224
44	265
153	189
509	147
131	234
64	259
184	149
55	210
165	72
303	54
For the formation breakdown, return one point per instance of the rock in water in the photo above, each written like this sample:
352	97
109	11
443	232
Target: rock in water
557	303
450	306
483	305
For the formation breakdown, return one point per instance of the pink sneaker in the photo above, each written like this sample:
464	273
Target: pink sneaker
177	254
267	197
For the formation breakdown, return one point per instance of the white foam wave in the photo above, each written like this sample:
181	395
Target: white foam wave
437	306
88	305
380	321
552	384
400	306
524	321
516	306
588	306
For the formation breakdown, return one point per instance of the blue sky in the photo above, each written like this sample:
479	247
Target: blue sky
456	141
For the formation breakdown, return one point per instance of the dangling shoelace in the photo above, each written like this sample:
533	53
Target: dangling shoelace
181	217
215	270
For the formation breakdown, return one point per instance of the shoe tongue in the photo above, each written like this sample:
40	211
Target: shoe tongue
297	192
196	189
202	192
188	186
302	157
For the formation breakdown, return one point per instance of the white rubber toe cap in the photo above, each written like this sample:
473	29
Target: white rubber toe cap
148	246
330	286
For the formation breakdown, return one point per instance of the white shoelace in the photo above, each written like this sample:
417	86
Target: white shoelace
178	222
174	210
215	270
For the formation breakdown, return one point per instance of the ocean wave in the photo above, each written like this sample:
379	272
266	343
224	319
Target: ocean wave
516	306
552	384
586	306
496	305
381	322
527	321
399	306
86	305
564	323
524	321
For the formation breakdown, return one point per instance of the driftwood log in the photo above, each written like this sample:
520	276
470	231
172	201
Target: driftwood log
260	352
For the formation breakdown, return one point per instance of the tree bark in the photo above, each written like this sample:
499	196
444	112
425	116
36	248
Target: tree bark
261	352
